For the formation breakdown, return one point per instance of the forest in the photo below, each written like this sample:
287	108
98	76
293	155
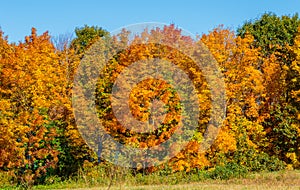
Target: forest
41	135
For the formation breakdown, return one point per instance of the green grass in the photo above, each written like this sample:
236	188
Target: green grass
119	178
262	180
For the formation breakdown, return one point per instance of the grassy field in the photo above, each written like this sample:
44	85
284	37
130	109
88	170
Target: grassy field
201	187
259	181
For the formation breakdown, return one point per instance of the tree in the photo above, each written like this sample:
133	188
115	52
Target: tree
241	138
85	36
32	81
62	41
275	36
144	49
271	33
38	135
295	69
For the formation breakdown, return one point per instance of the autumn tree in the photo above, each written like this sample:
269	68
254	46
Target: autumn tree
152	58
293	152
242	137
274	35
50	89
34	92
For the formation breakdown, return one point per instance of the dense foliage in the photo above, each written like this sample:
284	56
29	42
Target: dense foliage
261	67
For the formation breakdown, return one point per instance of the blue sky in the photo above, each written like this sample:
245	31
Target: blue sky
198	16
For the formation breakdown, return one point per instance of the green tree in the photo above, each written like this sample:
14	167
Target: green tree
271	33
85	36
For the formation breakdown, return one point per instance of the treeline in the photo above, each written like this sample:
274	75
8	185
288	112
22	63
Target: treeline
261	67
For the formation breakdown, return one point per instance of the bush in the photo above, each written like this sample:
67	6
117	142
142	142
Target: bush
6	180
229	170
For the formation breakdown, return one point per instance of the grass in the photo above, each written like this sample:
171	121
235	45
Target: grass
118	178
263	180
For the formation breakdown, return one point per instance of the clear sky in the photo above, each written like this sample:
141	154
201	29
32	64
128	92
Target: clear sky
198	16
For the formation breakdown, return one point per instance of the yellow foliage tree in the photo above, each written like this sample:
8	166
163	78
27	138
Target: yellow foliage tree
239	62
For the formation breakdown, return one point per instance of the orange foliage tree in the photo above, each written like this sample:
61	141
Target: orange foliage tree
35	107
242	137
144	93
39	135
